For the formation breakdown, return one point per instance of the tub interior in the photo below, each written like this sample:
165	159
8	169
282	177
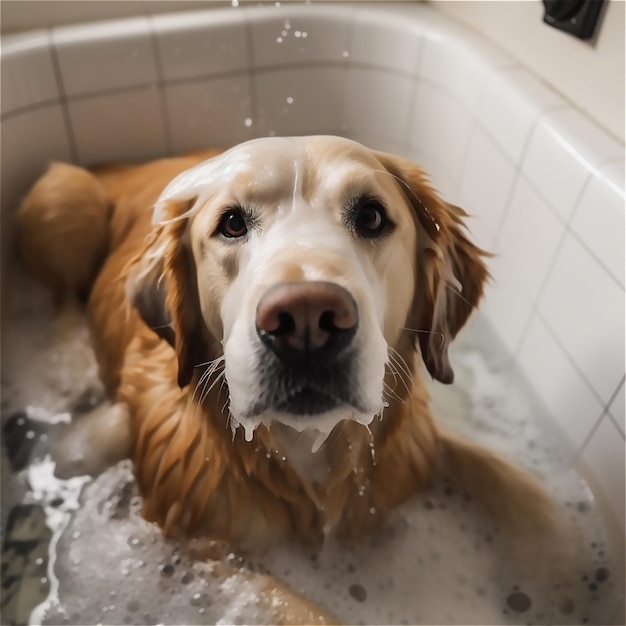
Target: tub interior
534	173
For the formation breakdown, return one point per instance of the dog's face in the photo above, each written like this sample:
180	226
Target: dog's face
307	259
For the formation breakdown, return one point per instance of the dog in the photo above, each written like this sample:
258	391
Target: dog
263	318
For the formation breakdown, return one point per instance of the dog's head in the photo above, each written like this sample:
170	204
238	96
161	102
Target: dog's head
301	262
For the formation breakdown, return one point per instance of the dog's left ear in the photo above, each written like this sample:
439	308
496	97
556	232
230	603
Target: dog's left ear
161	285
450	272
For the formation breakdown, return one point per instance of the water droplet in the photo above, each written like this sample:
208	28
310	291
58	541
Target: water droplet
289	100
602	574
187	578
358	592
345	55
297	34
518	602
167	571
30	434
279	40
234	3
132	606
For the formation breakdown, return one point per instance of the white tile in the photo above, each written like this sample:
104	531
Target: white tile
457	65
506	307
509	106
440	126
439	175
529	238
599	218
293	35
604	456
299	102
617	408
384	39
215	112
32	139
200	43
564	151
27	71
487	180
114	127
105	55
584	307
368	108
558	384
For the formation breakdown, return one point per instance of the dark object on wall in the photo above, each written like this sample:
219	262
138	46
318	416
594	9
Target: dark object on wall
576	17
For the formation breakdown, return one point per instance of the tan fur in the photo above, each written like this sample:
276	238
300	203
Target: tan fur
195	477
64	229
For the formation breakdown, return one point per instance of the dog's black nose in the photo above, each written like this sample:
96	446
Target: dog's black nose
307	320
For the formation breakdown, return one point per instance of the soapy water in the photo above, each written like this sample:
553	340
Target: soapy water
77	551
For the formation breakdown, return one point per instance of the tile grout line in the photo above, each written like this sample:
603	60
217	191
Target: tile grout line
63	100
160	85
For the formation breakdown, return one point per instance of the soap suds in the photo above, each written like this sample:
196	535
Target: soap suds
439	560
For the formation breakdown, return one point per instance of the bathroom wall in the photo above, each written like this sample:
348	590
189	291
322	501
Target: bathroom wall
543	183
588	73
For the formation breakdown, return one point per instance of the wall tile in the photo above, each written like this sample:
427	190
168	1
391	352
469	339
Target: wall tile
115	127
367	96
299	102
604	456
529	238
566	395
393	44
599	218
210	113
27	71
505	305
201	43
510	104
486	181
294	35
564	151
105	55
584	307
440	127
617	409
458	67
32	139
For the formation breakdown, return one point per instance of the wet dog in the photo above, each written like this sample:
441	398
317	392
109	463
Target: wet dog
263	318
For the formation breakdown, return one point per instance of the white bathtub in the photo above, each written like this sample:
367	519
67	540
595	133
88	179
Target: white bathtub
544	184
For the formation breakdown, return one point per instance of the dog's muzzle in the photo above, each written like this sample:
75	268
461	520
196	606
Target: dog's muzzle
307	329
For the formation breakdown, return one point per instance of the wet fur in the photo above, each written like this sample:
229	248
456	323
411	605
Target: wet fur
196	478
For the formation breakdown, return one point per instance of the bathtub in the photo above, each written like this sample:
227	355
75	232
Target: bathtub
543	183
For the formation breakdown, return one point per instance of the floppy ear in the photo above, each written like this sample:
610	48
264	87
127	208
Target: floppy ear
450	272
161	285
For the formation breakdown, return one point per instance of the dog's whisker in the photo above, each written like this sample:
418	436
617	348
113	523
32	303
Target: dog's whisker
428	332
206	392
401	365
404	372
390	393
455	291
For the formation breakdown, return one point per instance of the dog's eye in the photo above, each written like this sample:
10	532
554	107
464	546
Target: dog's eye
370	218
233	224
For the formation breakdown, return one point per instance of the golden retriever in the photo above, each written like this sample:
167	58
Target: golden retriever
262	319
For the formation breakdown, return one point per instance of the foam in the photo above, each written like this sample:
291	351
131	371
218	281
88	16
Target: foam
440	560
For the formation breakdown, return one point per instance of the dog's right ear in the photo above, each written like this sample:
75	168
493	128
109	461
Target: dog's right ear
146	289
161	285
